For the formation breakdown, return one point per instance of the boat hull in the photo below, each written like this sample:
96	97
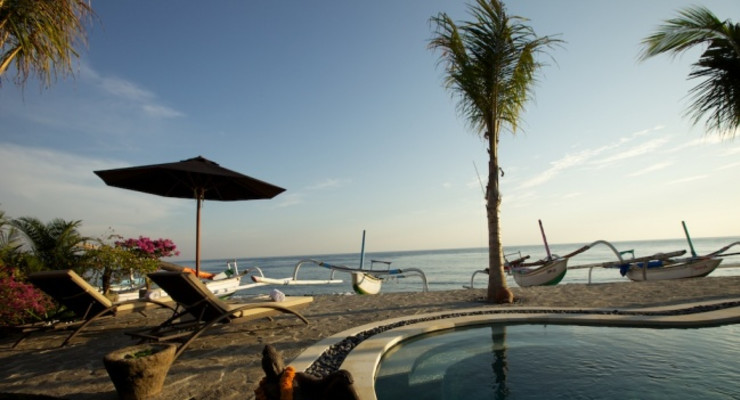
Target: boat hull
681	270
549	274
291	281
364	283
224	287
221	288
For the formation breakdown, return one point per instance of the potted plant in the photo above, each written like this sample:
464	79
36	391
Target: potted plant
138	372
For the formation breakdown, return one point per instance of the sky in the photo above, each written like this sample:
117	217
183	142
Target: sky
342	104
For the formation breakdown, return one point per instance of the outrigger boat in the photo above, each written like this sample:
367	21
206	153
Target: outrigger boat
656	270
547	272
370	281
294	280
660	267
364	281
624	265
223	284
551	270
663	266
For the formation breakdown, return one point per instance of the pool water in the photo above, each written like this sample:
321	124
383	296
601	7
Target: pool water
564	362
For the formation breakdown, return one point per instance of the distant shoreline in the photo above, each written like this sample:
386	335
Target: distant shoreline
724	239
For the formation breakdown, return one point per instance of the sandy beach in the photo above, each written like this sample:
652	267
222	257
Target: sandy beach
224	362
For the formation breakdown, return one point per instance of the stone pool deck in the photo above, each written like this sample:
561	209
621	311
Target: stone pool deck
224	363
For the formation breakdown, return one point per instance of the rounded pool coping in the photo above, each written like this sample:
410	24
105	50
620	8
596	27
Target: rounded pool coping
363	360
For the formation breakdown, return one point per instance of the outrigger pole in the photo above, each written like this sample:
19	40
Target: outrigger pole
688	238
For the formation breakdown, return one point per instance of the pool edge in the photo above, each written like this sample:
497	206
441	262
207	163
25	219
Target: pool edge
363	360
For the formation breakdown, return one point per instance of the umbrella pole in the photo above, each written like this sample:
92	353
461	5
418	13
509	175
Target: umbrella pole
197	234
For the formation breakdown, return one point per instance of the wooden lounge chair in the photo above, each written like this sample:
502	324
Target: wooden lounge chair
199	309
85	302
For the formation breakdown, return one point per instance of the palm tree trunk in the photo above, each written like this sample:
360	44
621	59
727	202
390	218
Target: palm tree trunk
498	292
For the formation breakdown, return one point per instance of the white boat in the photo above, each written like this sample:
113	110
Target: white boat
672	269
221	287
294	280
667	268
541	273
549	273
223	284
366	283
623	264
369	281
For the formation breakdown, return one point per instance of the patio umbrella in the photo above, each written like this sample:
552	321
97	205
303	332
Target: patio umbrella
195	178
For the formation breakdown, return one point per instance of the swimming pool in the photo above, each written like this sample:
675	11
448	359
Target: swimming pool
563	362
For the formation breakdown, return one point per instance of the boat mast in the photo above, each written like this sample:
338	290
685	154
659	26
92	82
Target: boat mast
688	238
544	239
362	251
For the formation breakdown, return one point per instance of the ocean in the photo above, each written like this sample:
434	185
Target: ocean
449	269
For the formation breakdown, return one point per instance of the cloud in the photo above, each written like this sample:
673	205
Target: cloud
476	184
296	198
49	184
121	89
702	141
572	195
728	166
124	89
589	156
730	152
646	131
329	183
654	167
558	166
639	150
289	200
157	111
687	179
518	200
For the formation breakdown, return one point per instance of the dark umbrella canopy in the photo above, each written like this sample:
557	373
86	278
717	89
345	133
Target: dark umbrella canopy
195	178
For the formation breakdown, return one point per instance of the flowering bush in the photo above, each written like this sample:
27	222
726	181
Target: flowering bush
147	247
126	259
20	302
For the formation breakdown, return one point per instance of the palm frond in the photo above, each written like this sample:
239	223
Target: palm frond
53	245
40	38
716	99
694	26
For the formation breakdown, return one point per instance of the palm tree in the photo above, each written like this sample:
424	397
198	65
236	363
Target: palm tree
5	231
55	245
41	36
718	96
9	254
490	67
